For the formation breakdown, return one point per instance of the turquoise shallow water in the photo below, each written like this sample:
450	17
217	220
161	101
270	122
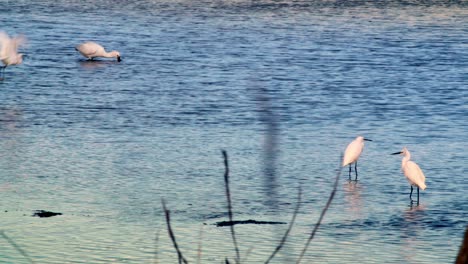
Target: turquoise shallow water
103	142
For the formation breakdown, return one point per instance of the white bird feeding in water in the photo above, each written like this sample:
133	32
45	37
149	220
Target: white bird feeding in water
412	172
91	50
9	51
352	153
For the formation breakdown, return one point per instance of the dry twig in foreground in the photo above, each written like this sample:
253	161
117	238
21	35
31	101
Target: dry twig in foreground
228	196
283	240
20	250
324	210
156	249
171	234
462	257
199	253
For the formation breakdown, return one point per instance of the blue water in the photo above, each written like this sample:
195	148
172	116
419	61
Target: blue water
103	142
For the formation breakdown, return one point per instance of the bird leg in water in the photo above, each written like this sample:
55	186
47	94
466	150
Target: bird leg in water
355	169
411	193
418	195
349	172
2	76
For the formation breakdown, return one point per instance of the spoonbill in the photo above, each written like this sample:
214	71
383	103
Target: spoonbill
9	51
352	153
92	50
412	172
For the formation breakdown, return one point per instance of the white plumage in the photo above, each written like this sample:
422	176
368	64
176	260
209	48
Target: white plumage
412	171
92	50
353	152
9	50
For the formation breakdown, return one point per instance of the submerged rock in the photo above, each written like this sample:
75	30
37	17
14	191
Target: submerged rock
42	213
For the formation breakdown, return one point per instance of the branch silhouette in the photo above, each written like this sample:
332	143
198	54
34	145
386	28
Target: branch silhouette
285	237
171	233
324	211
18	248
228	196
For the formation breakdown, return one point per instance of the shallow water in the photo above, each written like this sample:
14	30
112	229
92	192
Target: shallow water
102	142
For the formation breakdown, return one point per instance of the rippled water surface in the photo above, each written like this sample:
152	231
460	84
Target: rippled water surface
102	142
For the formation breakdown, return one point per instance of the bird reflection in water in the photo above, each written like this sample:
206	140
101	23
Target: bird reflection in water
10	116
10	128
352	195
411	228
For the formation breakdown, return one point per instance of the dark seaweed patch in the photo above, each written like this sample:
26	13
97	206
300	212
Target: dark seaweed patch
42	213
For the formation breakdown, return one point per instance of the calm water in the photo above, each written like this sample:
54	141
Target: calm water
103	142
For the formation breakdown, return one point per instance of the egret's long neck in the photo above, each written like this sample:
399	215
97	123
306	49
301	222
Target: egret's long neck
108	55
405	159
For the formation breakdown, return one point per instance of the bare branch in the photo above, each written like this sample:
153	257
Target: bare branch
156	248
228	196
244	259
324	210
283	240
18	248
200	246
171	234
462	257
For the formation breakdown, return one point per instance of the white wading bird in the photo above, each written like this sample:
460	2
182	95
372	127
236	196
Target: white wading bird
91	50
352	153
9	51
412	172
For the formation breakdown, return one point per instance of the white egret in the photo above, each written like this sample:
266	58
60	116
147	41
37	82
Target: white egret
412	172
9	51
352	153
91	50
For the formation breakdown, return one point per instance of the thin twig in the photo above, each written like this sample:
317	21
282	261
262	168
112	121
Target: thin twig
171	234
283	240
18	248
200	246
156	248
228	196
324	210
244	259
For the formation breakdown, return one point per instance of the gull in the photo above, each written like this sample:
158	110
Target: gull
91	50
412	172
9	51
352	153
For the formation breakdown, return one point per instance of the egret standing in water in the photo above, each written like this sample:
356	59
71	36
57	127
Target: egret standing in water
352	153
9	51
412	172
92	50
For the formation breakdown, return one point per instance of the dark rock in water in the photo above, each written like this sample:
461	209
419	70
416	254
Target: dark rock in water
42	213
250	221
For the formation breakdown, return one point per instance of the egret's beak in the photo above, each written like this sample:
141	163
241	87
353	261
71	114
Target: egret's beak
366	139
396	153
119	59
